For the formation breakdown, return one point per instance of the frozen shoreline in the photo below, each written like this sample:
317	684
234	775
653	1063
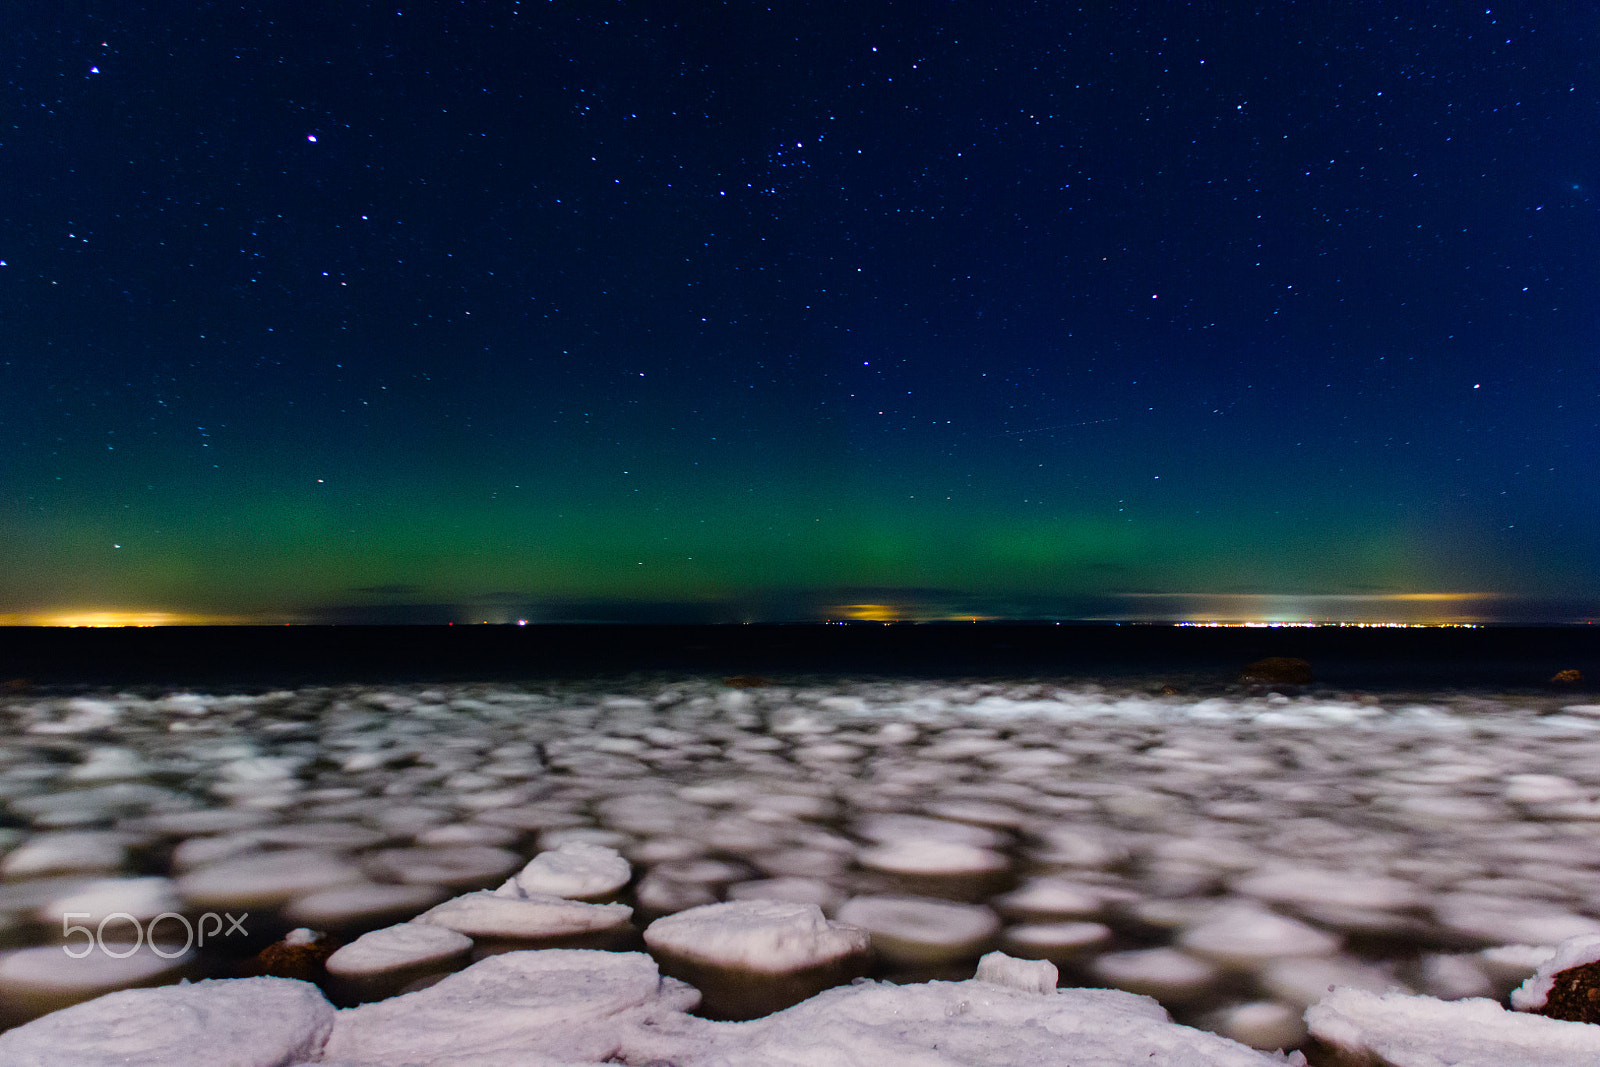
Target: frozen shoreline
1138	840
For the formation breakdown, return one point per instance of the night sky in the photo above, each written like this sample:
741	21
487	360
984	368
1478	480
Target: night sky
566	311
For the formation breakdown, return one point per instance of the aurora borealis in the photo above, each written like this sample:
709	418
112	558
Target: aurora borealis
616	311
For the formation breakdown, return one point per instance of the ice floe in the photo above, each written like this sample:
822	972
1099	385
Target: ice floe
527	917
919	930
397	947
576	870
753	957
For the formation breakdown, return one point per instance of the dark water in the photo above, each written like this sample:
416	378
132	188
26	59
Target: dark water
1524	658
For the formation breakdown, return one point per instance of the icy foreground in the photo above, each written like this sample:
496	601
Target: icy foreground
1400	1031
571	1007
243	1022
1234	856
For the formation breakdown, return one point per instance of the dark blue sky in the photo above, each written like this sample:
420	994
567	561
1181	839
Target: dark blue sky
609	310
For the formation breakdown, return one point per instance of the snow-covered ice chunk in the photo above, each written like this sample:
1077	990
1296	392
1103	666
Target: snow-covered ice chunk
810	863
1058	942
1086	847
1347	919
486	914
330	834
1244	936
577	871
1511	965
1044	898
204	821
242	1022
702	871
1451	976
1208	849
458	867
361	904
795	890
261	769
393	947
567	1005
65	852
646	815
889	829
1573	952
109	762
756	935
1164	973
44	978
1304	981
969	1024
82	715
141	898
658	894
1262	1024
1309	885
932	861
267	879
1495	920
1030	976
1541	789
1405	1031
471	833
978	812
917	930
753	957
1431	810
199	852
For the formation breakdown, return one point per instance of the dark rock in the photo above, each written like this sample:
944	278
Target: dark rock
296	959
1575	995
746	681
1277	670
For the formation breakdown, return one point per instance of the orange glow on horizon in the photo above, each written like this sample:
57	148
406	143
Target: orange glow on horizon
1327	609
111	618
1319	596
901	613
867	612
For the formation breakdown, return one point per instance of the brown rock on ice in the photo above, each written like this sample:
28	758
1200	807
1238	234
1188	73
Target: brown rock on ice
1277	670
1567	677
301	955
746	681
1574	995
